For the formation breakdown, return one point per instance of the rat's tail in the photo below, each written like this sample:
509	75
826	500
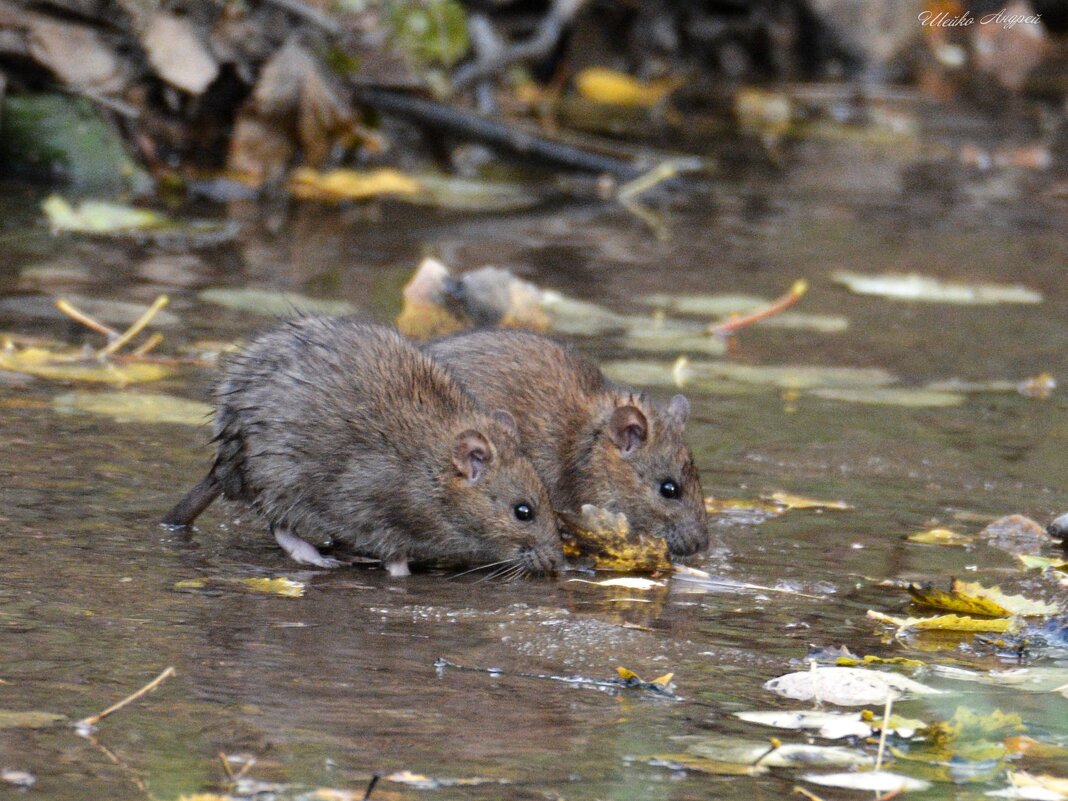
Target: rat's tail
194	502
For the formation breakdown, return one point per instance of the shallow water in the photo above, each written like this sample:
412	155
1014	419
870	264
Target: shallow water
326	689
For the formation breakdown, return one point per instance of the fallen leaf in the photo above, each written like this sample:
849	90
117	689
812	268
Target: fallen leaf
131	407
603	85
629	582
908	397
941	536
879	781
832	725
1054	784
276	586
346	184
800	502
74	367
846	686
945	623
972	598
431	783
274	304
933	290
788	755
1032	562
28	720
606	537
178	53
703	765
98	217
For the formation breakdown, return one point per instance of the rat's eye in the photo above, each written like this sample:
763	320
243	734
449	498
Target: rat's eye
523	512
669	489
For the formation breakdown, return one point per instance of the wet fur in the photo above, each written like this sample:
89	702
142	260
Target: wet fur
563	405
339	430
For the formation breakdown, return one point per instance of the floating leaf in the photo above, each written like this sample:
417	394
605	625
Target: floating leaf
1032	562
276	586
917	287
845	686
629	582
879	781
704	765
610	87
72	366
720	377
28	720
606	537
800	502
98	217
909	397
945	623
789	755
345	184
974	599
430	783
131	407
832	725
274	304
1032	679
1052	784
672	336
941	536
724	306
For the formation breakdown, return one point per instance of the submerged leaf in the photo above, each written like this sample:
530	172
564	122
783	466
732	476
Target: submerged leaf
933	290
287	588
909	397
800	502
1053	784
941	536
832	725
434	783
28	720
945	623
789	755
74	367
713	767
131	407
274	304
879	781
98	217
606	537
845	686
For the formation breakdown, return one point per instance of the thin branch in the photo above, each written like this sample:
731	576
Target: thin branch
92	720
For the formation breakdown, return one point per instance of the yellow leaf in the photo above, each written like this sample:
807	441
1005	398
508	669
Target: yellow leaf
664	680
627	674
277	586
135	407
700	764
945	623
72	366
1042	562
191	584
607	86
904	661
716	506
974	599
801	502
344	184
606	537
98	217
940	536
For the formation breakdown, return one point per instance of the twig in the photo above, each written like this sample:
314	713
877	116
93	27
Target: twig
127	771
92	720
776	744
443	117
226	767
78	315
543	41
147	345
371	786
136	328
811	796
657	175
797	291
882	734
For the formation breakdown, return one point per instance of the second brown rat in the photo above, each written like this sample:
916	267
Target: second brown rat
338	430
591	441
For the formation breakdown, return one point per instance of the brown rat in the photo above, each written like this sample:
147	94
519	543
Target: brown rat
590	440
339	430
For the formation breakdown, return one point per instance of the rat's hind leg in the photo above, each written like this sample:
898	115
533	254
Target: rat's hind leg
302	552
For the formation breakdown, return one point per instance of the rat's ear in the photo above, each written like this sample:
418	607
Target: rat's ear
628	428
471	453
678	411
506	421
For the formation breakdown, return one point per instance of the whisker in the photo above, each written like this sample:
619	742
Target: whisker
483	567
495	574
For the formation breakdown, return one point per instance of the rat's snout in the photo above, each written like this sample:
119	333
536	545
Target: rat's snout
541	559
687	538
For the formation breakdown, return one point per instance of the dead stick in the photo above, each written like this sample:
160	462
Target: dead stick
78	315
147	345
136	328
797	291
443	117
882	734
92	720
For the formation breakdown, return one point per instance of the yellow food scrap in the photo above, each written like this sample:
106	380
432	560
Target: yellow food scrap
606	538
603	85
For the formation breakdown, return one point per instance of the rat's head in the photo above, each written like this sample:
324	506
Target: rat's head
497	500
635	460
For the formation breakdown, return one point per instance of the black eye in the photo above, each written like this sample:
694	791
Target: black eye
523	512
669	489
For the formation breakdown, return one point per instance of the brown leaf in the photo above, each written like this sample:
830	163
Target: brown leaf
75	54
178	53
